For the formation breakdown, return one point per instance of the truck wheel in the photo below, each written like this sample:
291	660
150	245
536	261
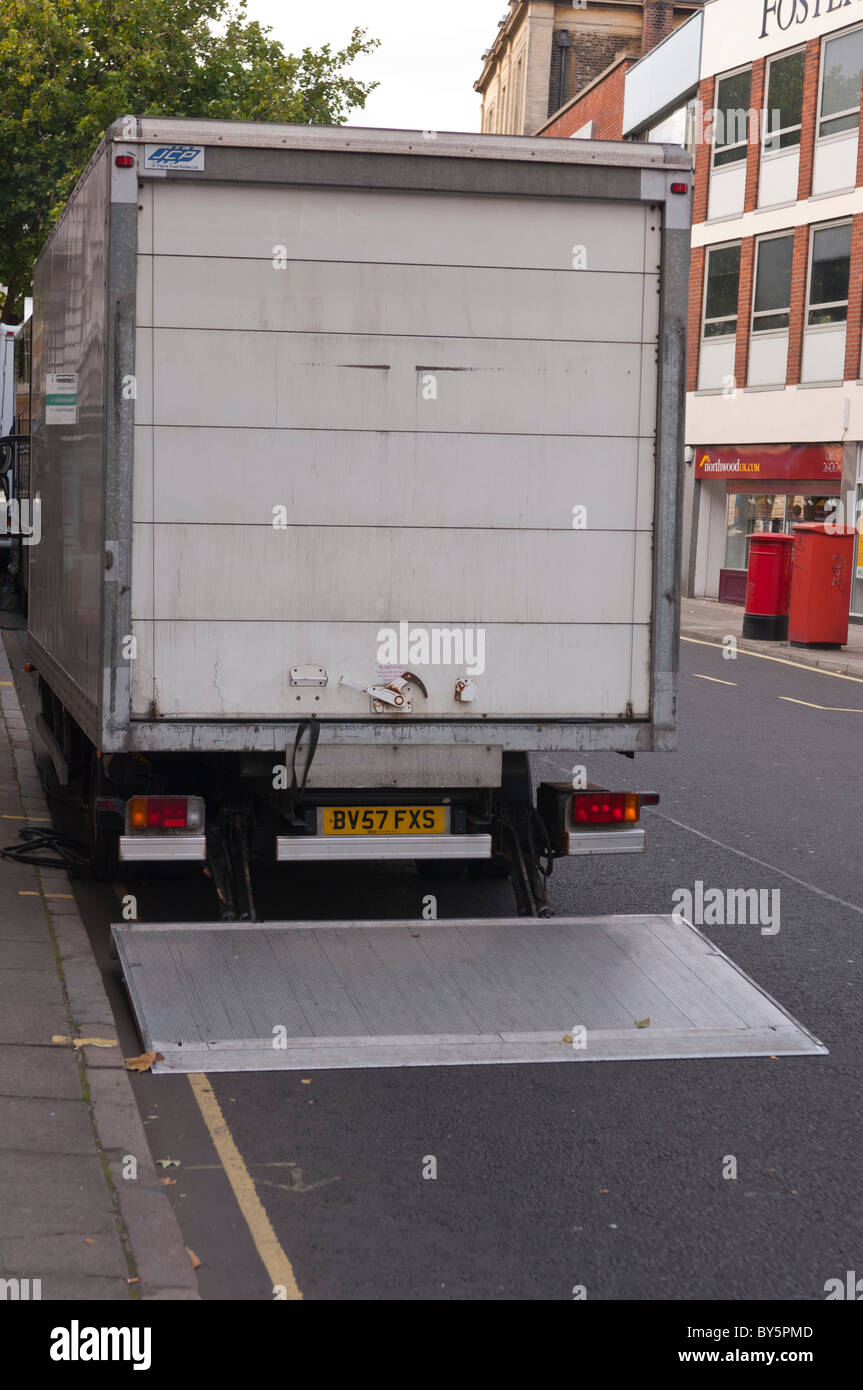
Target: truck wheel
104	830
439	868
496	867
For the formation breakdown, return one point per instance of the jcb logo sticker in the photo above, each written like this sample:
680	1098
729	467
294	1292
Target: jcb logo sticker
173	157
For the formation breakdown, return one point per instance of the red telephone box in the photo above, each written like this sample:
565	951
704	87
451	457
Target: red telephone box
768	585
821	575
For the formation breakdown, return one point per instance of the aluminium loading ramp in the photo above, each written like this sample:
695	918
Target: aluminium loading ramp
227	996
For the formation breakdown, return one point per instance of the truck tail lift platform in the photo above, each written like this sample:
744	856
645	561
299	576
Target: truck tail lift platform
309	995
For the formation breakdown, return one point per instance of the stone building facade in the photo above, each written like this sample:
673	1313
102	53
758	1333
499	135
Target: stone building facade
546	52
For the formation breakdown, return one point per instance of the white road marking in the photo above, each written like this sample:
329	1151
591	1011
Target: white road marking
783	661
822	892
836	709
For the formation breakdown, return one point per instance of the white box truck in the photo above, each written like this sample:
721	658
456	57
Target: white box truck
359	455
359	458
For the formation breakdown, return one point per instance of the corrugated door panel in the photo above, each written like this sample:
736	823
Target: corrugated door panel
388	574
381	478
348	381
451	426
415	301
542	668
400	228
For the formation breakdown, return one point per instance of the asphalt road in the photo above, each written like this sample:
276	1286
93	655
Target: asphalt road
606	1175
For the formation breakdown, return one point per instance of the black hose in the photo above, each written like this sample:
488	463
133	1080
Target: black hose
69	854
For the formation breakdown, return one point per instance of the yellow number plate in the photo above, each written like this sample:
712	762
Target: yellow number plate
384	820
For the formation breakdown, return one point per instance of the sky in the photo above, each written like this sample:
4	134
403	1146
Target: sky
428	60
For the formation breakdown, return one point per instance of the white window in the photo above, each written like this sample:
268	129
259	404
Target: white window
829	269
783	101
771	301
720	291
731	118
841	73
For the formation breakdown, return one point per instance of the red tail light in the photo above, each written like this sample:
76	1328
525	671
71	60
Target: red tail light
609	808
165	813
604	808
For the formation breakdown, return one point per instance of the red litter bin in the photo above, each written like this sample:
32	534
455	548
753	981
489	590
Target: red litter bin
821	574
768	586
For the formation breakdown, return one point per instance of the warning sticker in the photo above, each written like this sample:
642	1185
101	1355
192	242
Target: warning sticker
61	398
386	671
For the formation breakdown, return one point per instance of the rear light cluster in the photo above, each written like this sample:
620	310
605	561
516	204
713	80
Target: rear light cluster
610	808
165	813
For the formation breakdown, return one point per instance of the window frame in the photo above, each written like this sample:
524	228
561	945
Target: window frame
783	130
768	313
833	303
836	134
738	144
719	337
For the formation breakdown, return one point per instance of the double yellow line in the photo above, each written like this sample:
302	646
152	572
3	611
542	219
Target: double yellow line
264	1238
274	1259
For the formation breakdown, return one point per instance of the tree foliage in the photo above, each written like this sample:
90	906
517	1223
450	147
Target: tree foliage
68	68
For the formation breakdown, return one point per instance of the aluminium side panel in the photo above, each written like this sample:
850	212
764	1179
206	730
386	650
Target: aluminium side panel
68	447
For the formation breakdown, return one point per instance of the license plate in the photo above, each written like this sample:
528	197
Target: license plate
384	820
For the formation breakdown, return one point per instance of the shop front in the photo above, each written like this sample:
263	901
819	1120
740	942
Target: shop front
754	488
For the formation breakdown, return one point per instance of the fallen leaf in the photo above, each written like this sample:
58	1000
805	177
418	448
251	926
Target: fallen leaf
642	1023
144	1062
88	1240
567	1037
84	1042
193	1257
168	1162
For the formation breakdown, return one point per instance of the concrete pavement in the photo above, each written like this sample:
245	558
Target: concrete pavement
710	621
84	1211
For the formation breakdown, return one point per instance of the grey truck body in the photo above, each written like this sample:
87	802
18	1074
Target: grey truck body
254	323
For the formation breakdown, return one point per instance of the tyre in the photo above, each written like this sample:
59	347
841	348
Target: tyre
439	868
495	867
103	829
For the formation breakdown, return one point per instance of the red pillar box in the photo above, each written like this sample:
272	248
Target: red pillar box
821	574
768	586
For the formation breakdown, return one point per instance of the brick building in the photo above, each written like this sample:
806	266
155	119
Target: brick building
546	52
774	392
767	98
